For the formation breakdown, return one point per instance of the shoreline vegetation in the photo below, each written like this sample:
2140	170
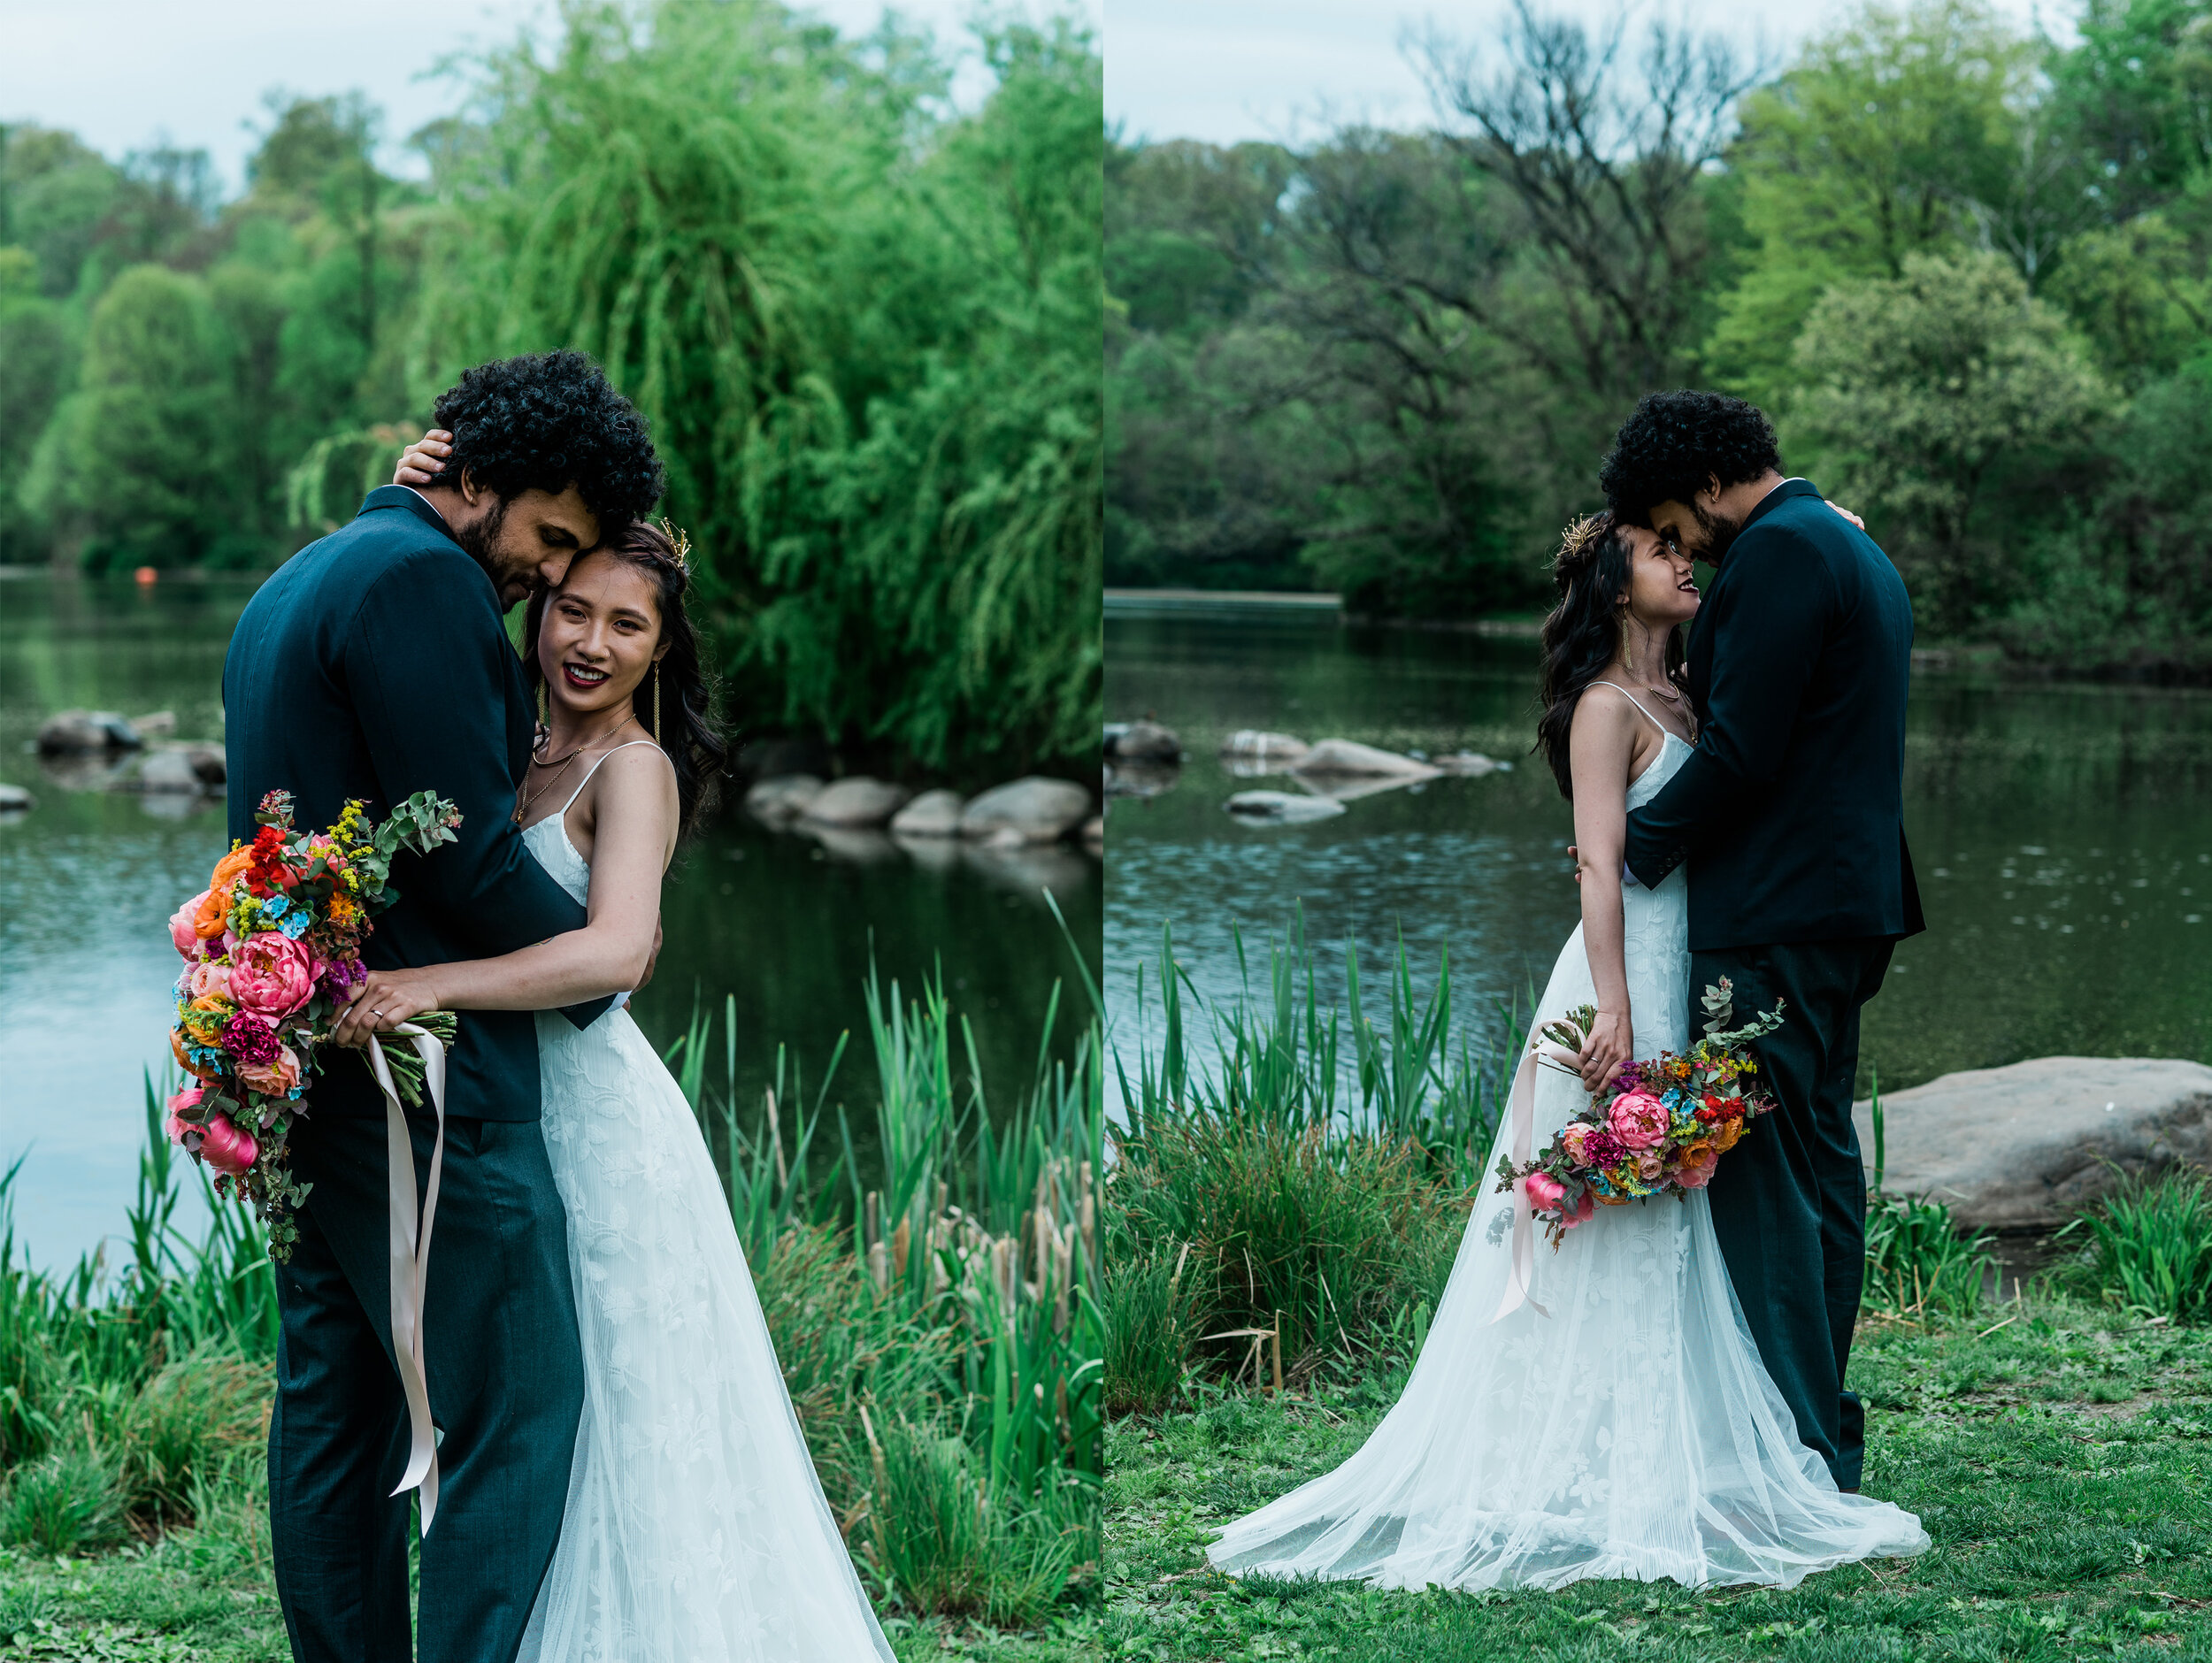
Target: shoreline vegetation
1286	1200
1963	264
861	319
939	1324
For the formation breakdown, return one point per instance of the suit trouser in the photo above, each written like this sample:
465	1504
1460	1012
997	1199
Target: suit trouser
506	1375
1789	1200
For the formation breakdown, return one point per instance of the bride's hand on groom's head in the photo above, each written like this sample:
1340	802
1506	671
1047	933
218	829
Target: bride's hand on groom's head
387	999
422	462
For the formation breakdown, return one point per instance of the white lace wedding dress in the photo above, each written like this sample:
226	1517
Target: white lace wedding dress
697	1529
1634	1432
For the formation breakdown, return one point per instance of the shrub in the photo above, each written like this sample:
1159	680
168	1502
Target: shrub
69	1501
2150	1246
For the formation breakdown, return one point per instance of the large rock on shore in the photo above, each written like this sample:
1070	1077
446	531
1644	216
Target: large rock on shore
1032	810
2030	1145
1348	756
781	798
934	814
74	732
182	768
856	801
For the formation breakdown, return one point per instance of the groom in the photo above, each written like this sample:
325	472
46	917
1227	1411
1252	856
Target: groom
1790	813
375	664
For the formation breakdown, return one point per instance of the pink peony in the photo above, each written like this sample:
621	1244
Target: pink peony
207	977
271	973
177	1125
1698	1164
1638	1119
227	1148
1545	1191
1649	1164
275	1077
184	926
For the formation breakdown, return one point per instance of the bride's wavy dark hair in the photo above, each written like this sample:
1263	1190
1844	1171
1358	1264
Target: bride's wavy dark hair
691	731
1583	631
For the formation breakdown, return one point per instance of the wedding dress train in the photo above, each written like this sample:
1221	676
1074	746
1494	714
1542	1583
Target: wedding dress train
1633	1432
696	1527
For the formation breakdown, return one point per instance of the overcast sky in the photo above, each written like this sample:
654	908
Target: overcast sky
124	74
1224	70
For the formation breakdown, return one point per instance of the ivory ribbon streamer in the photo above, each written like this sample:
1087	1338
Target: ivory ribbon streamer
1523	1110
411	1256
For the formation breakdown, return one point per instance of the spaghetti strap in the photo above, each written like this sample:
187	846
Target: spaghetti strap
1665	730
624	745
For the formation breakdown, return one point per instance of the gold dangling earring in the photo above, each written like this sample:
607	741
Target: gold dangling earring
656	704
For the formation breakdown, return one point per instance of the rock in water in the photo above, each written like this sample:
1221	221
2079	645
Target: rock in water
182	768
782	797
1258	746
1348	756
856	801
1473	763
73	732
934	814
15	799
1032	810
1282	807
2028	1146
156	723
1143	742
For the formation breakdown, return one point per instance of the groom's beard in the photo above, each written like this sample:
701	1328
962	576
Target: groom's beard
1720	535
480	540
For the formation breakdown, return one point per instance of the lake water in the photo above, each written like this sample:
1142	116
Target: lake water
2063	836
783	921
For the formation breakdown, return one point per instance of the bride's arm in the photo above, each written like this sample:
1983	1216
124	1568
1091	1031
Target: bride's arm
634	836
1600	748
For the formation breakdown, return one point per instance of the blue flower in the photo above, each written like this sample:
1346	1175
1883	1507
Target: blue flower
297	924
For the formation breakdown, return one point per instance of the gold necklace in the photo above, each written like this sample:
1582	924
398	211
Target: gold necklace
525	798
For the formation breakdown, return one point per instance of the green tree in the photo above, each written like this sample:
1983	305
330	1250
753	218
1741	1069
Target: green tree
134	459
1895	135
1924	390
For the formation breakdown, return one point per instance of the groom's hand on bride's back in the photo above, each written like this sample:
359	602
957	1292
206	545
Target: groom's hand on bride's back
422	462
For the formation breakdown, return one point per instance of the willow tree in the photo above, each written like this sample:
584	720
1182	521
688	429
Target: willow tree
865	332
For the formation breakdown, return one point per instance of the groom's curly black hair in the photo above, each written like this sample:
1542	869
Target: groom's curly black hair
546	421
1678	443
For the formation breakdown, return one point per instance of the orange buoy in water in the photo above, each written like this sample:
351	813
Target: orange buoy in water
145	575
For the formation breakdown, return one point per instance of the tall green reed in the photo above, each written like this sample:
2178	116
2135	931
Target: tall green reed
2150	1246
1917	1258
1276	1204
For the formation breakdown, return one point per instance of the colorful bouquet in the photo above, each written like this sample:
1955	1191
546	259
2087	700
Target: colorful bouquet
272	949
1659	1128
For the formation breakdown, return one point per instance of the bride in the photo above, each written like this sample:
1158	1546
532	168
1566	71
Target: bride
695	1527
1633	1432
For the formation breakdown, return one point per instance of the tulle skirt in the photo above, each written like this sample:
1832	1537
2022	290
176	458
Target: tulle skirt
697	1529
1633	1432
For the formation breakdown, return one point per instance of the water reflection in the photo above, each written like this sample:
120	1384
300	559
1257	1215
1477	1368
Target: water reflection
784	921
2063	835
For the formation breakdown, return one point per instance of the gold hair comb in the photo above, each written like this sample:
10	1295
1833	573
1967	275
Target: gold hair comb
682	544
1575	541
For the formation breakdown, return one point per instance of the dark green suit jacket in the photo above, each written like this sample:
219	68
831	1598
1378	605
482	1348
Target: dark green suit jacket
1791	809
374	663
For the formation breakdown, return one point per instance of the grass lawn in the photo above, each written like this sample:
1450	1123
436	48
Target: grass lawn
205	1596
2062	1463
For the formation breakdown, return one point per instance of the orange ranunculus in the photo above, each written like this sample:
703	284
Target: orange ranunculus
229	867
1725	1134
184	1057
208	922
206	1016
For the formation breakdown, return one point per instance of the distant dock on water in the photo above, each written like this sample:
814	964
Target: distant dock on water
1275	601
